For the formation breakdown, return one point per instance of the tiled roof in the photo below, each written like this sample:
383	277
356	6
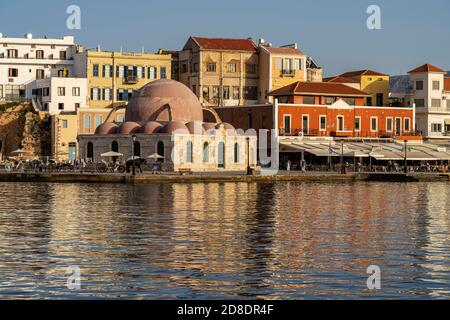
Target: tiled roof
318	88
339	80
284	51
427	68
447	84
362	73
225	44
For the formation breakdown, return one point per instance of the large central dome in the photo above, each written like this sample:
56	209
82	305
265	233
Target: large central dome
164	100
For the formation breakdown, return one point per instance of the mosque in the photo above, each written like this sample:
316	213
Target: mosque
165	118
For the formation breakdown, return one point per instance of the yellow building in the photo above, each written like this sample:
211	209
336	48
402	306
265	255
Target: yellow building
220	71
373	83
64	130
279	67
112	79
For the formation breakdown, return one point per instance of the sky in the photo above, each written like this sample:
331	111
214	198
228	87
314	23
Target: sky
333	32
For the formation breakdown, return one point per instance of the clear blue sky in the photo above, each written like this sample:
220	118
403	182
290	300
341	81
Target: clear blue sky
333	32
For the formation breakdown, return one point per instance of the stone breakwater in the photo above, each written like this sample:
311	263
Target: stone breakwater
310	177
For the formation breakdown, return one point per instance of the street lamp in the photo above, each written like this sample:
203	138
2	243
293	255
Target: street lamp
133	137
406	156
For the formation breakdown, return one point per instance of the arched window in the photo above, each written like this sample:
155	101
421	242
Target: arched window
206	152
189	148
160	150
90	151
221	155
115	148
236	153
137	149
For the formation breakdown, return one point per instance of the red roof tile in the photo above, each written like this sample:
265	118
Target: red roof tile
285	51
318	88
362	73
427	68
447	84
225	44
339	80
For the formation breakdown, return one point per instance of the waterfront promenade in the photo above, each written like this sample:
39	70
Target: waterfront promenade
218	177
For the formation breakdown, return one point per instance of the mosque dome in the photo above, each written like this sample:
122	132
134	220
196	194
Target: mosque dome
195	127
175	127
164	100
151	127
128	127
107	128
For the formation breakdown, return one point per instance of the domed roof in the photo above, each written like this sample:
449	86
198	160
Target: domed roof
151	127
175	127
195	127
107	128
164	100
128	127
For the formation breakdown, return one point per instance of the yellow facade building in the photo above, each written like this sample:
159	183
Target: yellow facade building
374	83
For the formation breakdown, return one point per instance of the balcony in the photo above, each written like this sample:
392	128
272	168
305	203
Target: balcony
130	80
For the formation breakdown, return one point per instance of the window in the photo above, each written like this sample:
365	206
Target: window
215	92
436	127
160	150
76	91
419	85
251	68
297	64
329	100
278	63
210	67
373	124
13	53
435	103
184	68
90	150
62	55
231	67
286	123
163	73
64	124
323	123
87	122
389	124
309	100
206	152
98	121
13	73
61	91
236	153
380	99
195	67
369	101
189	152
305	124
357	123
95	70
40	73
251	93
46	92
407	126
39	54
236	93
340	123
205	90
420	103
137	149
226	92
95	94
436	85
60	106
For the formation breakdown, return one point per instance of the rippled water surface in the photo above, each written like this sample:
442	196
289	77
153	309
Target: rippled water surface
231	240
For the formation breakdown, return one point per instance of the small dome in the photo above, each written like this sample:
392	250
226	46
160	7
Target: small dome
107	128
129	128
175	127
195	127
164	100
151	127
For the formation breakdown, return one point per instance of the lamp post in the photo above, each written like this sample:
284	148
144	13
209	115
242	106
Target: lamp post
133	137
406	156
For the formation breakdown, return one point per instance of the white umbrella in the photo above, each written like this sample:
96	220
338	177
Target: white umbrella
19	151
111	154
155	156
133	158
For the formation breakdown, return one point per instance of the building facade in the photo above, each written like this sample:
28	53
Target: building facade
221	71
23	61
428	90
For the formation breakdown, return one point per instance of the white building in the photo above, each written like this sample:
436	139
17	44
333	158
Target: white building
25	60
429	91
57	95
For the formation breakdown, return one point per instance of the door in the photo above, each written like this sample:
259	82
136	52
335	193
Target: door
287	124
221	155
72	151
398	126
305	124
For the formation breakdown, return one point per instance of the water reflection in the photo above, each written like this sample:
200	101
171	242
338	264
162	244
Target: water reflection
230	240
